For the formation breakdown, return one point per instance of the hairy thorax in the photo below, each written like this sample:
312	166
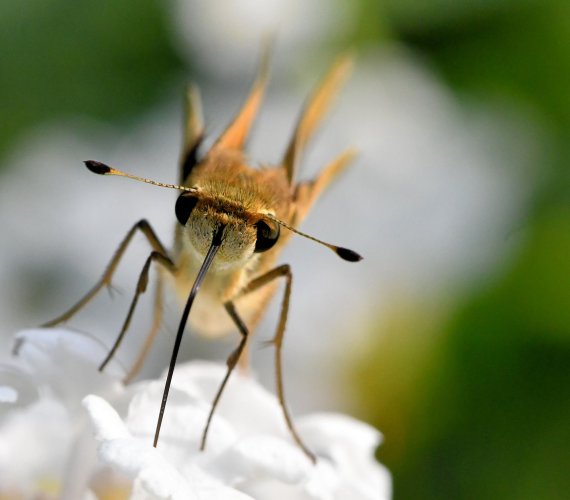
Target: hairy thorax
234	195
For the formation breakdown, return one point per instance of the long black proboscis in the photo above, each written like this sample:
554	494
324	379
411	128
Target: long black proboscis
214	247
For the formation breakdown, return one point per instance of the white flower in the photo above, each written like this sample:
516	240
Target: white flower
249	453
46	447
221	36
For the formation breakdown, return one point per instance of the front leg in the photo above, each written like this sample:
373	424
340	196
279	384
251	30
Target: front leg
142	283
105	280
283	271
231	363
160	255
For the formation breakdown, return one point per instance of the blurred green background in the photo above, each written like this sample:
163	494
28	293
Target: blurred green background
473	396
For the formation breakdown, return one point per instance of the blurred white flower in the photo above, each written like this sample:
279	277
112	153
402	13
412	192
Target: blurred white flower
45	449
221	36
249	454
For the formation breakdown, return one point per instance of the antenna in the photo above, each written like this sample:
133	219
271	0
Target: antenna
101	169
343	253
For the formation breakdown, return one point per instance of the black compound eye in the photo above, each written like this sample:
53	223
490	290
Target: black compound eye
184	206
267	235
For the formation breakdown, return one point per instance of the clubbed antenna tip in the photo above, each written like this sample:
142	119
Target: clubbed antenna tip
349	255
97	167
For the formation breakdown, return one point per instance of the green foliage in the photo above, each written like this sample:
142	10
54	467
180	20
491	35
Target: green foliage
62	58
503	386
484	411
474	399
513	51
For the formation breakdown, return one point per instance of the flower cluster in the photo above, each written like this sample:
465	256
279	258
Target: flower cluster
47	445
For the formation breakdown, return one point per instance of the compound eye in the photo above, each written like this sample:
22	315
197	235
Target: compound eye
184	206
267	235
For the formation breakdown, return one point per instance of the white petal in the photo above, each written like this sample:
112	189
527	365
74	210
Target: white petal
153	475
245	408
33	444
261	457
349	445
248	405
327	430
108	425
66	363
47	341
8	395
183	423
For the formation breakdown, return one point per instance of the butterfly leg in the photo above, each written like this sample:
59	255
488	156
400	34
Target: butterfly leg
142	283
283	271
105	280
151	335
231	364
